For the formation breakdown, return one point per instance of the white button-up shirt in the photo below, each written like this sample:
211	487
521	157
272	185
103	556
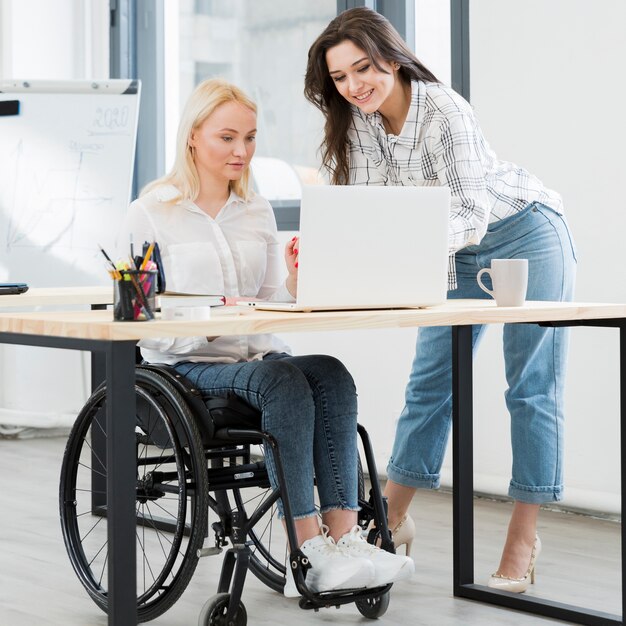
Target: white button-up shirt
441	144
237	254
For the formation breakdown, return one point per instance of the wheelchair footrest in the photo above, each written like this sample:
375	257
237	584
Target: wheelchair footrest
326	599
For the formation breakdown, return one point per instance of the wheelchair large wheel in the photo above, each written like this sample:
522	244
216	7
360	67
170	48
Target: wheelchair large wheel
171	503
268	561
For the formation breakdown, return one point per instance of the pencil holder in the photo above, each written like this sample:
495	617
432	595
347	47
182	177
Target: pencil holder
133	299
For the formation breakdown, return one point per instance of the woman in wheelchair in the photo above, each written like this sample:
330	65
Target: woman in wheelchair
217	236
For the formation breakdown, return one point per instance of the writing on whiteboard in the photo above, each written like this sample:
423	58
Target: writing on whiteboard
66	166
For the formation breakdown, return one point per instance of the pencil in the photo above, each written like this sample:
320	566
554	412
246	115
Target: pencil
143	300
147	257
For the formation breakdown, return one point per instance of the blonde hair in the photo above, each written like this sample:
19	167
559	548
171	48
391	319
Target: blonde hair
206	97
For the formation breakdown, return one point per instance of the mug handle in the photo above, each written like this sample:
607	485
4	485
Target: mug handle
485	270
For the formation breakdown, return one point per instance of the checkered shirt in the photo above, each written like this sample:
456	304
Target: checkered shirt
441	144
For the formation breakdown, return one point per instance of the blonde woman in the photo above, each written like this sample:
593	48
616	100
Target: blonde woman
217	236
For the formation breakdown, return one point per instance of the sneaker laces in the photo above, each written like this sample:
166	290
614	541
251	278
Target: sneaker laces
354	541
328	547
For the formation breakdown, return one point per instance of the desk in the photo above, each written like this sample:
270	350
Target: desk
95	331
64	296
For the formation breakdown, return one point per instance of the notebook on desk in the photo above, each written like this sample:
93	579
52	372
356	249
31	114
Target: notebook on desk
370	248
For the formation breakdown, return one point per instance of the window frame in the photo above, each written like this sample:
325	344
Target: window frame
460	47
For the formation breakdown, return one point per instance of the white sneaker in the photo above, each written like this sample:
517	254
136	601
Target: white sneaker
331	569
388	567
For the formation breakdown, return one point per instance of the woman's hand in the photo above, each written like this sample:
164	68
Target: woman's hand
291	260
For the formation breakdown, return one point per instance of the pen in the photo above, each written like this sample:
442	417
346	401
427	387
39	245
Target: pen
106	256
115	271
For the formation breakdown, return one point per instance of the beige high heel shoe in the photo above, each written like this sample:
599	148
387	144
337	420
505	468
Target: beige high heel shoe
518	585
404	533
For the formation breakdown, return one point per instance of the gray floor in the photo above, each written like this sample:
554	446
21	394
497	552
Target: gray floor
580	562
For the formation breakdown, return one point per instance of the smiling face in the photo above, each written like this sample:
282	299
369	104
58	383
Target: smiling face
224	143
356	78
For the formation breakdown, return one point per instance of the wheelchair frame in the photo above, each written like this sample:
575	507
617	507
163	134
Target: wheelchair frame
174	425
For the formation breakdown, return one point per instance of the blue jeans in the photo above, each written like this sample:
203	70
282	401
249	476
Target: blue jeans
309	405
535	360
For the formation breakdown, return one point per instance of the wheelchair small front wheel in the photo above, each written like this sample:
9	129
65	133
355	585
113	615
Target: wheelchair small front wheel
374	608
215	609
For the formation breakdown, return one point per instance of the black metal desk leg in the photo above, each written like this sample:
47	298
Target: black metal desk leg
462	458
622	415
120	424
98	438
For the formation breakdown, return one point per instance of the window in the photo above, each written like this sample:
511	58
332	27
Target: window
262	47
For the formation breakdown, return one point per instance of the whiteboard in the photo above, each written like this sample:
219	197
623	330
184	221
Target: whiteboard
66	167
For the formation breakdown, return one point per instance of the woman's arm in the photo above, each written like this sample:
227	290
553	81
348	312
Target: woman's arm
275	286
459	166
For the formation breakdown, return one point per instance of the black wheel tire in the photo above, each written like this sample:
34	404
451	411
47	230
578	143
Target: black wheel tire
163	424
360	481
373	608
214	612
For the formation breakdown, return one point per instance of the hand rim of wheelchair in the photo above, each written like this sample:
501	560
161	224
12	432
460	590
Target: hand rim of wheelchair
193	490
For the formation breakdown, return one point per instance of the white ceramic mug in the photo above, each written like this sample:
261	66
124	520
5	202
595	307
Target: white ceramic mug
510	281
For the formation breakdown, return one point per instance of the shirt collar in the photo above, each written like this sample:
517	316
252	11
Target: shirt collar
167	193
375	119
233	198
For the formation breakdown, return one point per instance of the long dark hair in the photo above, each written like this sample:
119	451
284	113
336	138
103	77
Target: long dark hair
374	34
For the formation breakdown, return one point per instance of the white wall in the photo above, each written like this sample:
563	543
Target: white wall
546	84
54	39
48	39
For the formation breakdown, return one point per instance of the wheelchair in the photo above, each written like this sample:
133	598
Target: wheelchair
197	459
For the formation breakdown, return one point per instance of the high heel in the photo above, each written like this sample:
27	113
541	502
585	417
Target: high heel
404	533
518	585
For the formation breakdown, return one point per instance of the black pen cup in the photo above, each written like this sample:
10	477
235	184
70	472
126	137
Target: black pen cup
134	294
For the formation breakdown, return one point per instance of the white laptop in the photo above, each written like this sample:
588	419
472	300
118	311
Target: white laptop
364	247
